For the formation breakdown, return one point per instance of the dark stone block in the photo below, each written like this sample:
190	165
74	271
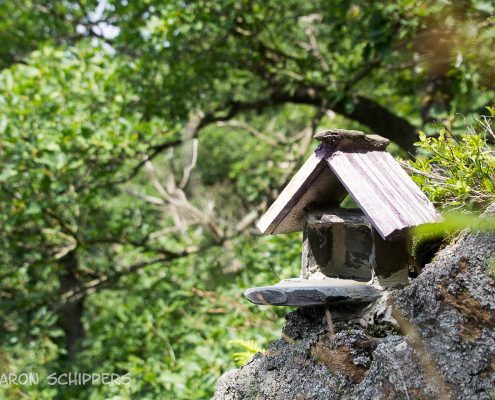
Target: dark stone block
390	260
337	243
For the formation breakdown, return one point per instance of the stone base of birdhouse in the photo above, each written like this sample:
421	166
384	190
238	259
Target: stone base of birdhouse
338	244
342	243
313	292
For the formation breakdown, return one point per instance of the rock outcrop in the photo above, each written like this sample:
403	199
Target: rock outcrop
435	339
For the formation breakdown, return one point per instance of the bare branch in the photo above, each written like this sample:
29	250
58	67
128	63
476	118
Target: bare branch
309	21
106	281
149	199
163	232
188	168
178	204
249	218
251	130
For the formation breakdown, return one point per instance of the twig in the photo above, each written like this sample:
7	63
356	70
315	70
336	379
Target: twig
413	338
328	317
188	168
399	371
309	20
251	130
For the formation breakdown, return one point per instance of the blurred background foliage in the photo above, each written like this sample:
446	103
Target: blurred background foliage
141	140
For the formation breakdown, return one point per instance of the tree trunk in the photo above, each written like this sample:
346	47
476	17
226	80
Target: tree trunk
361	109
382	121
70	315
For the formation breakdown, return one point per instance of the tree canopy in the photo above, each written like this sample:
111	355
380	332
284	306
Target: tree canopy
141	140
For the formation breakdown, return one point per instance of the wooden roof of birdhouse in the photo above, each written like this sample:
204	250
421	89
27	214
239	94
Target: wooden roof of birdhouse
350	162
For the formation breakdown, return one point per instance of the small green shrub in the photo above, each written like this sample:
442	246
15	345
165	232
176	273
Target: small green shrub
457	172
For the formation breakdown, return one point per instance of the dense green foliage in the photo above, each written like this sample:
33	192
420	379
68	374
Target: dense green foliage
458	171
141	140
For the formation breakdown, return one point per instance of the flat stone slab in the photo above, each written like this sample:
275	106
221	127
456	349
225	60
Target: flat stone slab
335	216
348	140
308	292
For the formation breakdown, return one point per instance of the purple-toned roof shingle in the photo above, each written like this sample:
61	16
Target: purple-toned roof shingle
359	165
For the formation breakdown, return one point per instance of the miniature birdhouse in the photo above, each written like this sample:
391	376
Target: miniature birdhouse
348	255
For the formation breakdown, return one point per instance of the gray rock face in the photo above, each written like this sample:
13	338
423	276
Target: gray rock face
439	345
